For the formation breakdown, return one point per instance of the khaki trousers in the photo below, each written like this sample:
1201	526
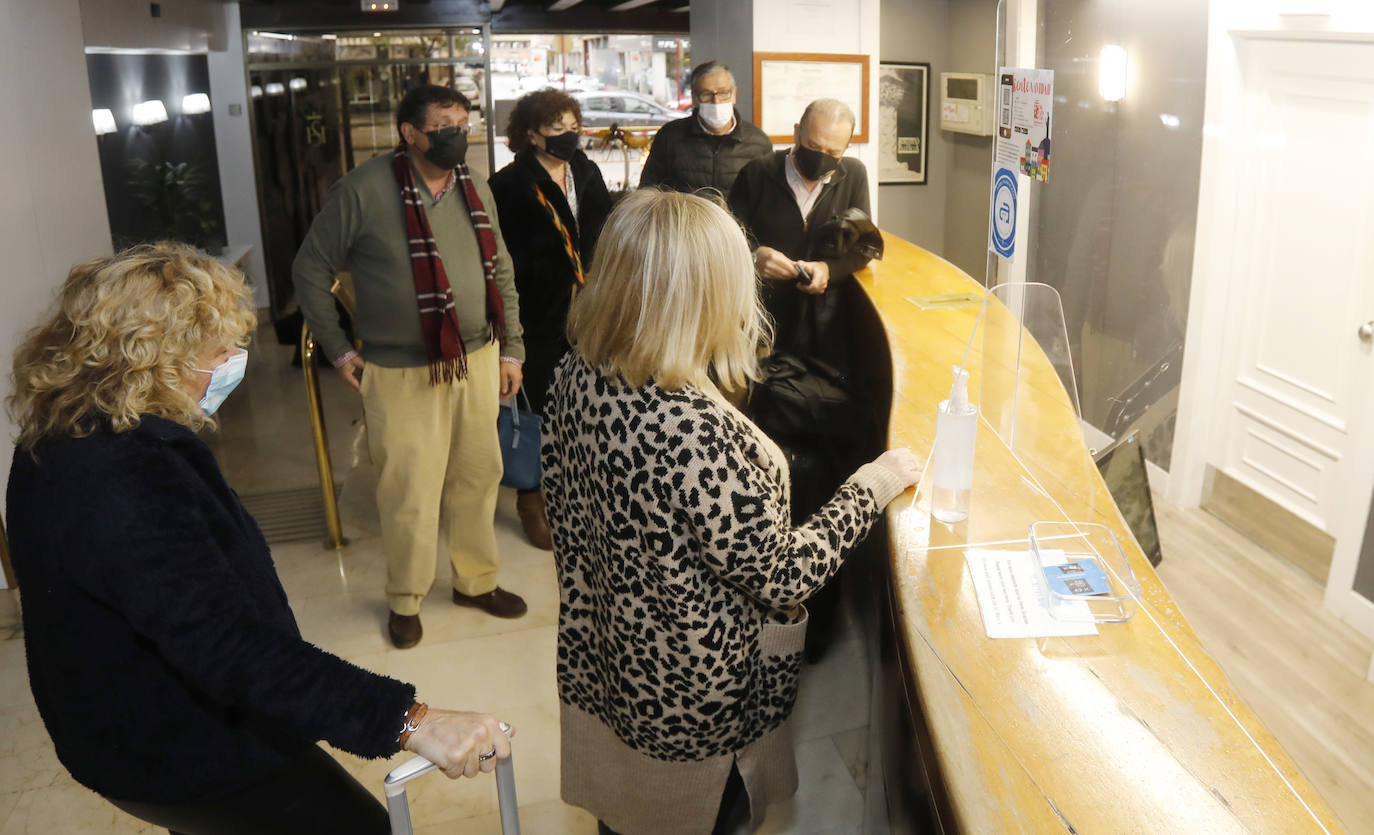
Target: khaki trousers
438	462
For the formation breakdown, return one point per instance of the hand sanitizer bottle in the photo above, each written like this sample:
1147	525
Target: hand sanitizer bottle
956	432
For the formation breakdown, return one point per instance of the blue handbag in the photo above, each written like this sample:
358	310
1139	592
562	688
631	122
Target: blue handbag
519	429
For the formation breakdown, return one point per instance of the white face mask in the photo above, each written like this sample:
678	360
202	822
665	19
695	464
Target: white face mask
223	379
716	115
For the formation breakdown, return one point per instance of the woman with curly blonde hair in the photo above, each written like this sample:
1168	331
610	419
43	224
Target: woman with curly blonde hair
162	653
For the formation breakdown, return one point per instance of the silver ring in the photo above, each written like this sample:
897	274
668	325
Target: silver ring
488	755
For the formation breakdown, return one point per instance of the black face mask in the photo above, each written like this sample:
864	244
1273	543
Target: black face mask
813	164
447	147
563	146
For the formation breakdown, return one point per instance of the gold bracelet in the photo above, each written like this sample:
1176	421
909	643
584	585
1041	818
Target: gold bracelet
411	724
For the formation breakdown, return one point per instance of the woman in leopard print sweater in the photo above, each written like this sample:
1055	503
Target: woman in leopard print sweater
681	573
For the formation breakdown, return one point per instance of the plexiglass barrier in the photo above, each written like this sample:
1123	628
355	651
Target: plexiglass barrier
1022	379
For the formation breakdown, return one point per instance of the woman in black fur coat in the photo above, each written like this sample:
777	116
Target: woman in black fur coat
552	202
162	653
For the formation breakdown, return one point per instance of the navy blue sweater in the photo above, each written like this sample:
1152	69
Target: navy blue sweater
162	653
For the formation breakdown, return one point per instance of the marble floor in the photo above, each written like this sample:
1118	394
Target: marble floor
466	660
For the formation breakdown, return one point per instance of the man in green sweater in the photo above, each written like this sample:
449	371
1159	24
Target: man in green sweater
439	322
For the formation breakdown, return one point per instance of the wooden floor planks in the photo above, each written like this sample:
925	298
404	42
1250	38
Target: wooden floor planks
1300	668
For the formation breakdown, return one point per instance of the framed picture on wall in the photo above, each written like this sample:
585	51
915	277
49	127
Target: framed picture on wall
903	123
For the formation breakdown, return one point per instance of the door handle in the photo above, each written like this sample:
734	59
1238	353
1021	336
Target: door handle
1366	331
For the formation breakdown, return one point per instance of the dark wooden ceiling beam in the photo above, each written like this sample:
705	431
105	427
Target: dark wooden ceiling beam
324	16
505	16
591	18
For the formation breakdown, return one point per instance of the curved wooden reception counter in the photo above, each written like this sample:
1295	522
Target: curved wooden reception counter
1133	730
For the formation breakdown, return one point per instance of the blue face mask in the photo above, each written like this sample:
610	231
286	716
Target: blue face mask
223	379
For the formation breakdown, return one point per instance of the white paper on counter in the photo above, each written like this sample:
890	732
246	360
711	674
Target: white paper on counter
1009	597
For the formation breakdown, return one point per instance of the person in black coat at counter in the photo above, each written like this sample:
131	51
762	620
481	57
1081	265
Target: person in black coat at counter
552	202
708	148
780	199
162	652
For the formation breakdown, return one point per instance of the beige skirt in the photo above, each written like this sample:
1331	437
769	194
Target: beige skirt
635	794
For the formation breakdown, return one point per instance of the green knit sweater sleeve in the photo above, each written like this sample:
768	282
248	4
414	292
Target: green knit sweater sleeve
505	276
324	254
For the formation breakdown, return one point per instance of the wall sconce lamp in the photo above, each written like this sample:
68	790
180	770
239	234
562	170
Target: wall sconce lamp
195	103
299	83
104	122
149	112
276	88
256	91
1111	69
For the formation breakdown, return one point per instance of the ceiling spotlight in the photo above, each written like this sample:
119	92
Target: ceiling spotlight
381	5
195	103
255	91
276	88
149	112
299	83
103	120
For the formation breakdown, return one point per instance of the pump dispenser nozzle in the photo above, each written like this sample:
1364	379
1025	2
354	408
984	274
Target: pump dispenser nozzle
958	392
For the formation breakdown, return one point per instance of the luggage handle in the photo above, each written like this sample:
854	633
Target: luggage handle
399	808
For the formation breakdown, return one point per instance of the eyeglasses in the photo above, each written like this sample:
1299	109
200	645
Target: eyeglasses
461	128
723	95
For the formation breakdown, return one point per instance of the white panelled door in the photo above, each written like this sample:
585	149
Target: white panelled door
1293	414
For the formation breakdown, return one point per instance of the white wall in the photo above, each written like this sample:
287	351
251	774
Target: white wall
849	27
52	208
184	26
234	146
918	31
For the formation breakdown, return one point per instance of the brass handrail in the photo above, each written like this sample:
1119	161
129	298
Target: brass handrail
336	539
10	580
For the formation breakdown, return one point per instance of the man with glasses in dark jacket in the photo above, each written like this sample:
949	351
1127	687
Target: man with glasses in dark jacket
708	148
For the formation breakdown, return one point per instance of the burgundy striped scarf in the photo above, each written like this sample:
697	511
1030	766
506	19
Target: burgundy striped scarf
438	317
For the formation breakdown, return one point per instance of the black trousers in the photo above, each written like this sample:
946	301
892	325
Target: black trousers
734	807
315	794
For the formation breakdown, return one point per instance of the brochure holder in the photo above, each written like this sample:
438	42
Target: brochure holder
1072	542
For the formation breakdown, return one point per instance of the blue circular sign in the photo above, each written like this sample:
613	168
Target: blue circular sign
1002	225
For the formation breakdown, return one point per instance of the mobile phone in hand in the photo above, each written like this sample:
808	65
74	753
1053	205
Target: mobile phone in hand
803	277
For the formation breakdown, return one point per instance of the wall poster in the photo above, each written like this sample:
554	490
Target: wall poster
903	122
1025	105
786	82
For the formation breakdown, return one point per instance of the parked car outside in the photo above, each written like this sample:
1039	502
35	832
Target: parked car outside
573	82
469	88
604	107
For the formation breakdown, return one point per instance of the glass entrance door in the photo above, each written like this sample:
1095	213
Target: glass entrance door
324	103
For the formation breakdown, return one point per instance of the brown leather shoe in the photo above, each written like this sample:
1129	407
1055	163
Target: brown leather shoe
405	630
534	518
498	603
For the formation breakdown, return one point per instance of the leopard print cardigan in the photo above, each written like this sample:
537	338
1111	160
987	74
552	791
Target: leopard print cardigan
675	553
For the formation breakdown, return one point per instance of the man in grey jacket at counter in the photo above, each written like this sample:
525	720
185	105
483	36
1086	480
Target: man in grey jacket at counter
439	322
